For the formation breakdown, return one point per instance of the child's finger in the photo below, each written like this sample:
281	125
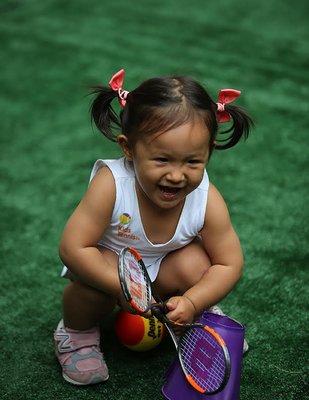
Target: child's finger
171	304
173	315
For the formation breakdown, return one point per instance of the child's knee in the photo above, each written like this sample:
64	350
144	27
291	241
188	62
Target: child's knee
183	268
86	294
191	259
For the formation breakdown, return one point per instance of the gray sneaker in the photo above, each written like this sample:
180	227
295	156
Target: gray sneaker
217	310
79	355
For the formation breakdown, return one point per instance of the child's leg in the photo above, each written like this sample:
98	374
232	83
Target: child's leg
84	306
77	338
182	269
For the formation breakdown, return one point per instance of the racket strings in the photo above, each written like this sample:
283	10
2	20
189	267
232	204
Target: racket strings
203	359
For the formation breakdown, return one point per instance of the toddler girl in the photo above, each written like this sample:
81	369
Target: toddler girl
156	198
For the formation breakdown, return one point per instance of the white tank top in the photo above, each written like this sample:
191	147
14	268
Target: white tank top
126	226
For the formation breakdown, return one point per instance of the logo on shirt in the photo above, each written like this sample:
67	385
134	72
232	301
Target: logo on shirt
124	219
123	229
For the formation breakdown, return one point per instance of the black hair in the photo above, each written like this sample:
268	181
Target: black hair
163	103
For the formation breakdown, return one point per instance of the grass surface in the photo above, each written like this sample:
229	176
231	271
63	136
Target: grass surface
51	51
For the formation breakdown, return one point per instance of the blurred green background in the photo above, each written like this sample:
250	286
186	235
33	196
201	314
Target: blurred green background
51	52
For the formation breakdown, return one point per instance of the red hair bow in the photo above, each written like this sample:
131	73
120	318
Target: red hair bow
226	96
116	83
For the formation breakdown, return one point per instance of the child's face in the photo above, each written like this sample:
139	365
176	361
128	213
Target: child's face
170	165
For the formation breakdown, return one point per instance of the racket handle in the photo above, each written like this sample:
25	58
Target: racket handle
164	308
156	310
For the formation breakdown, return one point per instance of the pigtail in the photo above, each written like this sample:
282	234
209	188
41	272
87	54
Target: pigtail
241	126
102	112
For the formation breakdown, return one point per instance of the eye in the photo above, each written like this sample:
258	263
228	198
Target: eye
161	159
194	161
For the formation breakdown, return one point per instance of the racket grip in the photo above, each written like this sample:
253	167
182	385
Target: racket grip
164	308
156	310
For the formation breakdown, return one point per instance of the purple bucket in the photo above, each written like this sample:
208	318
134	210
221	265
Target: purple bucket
176	386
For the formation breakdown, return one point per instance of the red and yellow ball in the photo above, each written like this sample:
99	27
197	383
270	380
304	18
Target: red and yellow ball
138	333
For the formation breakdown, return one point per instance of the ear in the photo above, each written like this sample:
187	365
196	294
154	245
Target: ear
124	144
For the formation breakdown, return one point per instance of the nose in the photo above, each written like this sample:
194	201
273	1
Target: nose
175	175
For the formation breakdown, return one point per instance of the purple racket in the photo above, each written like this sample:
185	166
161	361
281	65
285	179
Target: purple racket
204	359
202	353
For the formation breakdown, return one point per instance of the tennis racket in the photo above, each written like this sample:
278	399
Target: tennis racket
202	353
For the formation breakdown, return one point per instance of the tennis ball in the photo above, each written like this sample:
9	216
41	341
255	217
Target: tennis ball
138	333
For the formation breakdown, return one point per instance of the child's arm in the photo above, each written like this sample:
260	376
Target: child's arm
78	247
223	248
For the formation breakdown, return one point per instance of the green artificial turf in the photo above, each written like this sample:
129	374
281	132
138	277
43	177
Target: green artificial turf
51	52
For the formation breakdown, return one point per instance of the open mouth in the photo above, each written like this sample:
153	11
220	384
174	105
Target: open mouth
169	192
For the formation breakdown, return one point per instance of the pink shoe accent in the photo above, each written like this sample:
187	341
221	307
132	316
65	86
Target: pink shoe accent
79	354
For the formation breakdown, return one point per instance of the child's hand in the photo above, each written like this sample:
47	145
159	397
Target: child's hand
181	310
